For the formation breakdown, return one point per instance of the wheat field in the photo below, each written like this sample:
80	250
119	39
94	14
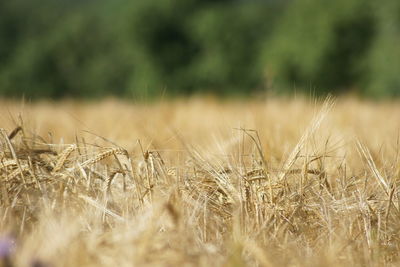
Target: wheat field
200	182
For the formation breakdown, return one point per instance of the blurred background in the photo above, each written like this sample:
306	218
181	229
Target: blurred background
152	48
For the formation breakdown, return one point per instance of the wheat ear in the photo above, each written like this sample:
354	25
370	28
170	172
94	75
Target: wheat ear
63	157
103	155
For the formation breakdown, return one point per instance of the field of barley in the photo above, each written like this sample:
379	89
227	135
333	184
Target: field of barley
200	182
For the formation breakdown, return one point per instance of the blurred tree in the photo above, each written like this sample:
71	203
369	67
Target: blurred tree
383	79
87	48
192	46
76	56
230	42
162	43
322	45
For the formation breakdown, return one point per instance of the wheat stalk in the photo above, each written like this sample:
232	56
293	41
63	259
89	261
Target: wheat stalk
8	163
19	171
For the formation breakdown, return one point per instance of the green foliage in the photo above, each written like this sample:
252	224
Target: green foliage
139	48
228	57
321	44
77	57
162	44
384	60
184	47
147	48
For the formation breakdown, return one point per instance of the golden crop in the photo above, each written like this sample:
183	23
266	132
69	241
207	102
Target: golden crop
200	182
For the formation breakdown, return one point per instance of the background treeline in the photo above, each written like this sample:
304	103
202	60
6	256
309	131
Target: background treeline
147	48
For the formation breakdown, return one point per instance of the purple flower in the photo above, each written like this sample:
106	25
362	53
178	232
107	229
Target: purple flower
7	246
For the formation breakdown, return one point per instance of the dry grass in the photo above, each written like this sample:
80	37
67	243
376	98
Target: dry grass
198	182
